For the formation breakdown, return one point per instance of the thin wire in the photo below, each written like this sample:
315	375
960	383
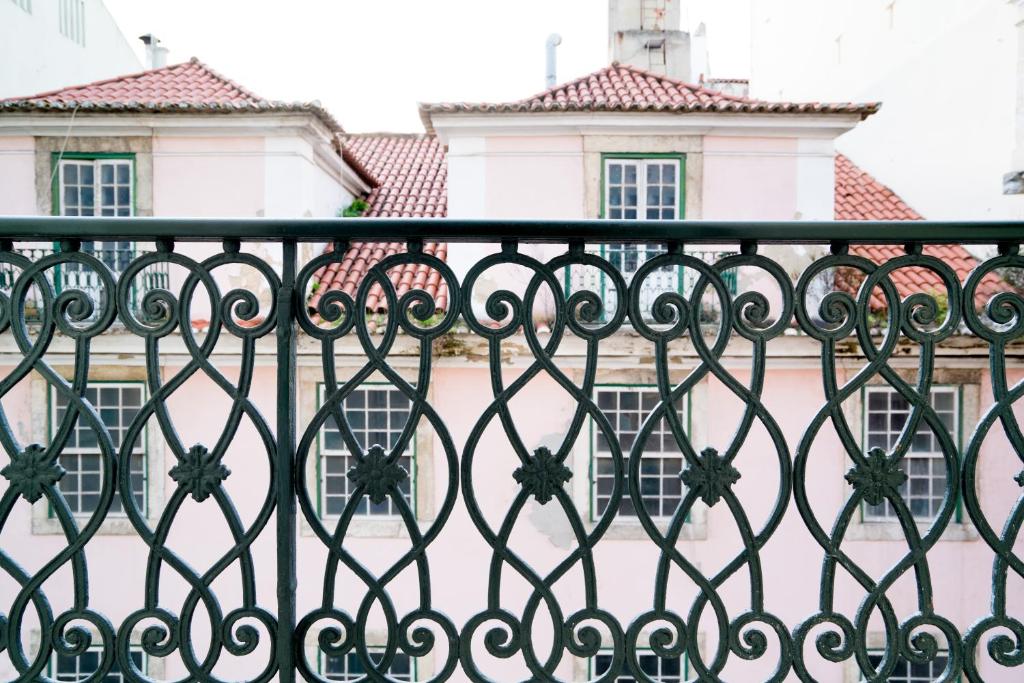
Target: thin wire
63	145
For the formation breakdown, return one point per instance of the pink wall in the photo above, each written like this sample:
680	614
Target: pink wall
791	562
17	171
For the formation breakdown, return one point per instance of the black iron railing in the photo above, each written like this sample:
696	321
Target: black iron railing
505	558
72	276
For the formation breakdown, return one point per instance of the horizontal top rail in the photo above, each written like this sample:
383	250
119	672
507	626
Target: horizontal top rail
491	230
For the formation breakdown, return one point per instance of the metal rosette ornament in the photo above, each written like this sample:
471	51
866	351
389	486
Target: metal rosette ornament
876	475
197	470
34	471
377	474
710	474
542	473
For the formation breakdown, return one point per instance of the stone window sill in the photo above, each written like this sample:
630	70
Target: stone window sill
632	530
117	526
892	531
382	527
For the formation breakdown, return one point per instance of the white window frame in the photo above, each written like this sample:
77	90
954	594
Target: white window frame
876	657
323	453
641	165
887	516
141	447
596	454
655	282
97	165
57	676
413	674
684	667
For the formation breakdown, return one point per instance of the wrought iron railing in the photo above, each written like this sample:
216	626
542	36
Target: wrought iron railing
72	276
498	565
627	259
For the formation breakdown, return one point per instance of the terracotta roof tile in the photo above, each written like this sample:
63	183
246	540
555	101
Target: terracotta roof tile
859	197
347	274
409	173
189	87
620	87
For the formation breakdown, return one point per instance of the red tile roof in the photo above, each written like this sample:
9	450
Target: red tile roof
189	87
620	87
410	178
859	197
361	256
409	172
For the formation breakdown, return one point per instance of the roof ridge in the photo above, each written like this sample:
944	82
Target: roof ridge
560	86
235	84
692	86
385	134
102	81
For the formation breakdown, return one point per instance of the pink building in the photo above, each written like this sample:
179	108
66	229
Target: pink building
621	143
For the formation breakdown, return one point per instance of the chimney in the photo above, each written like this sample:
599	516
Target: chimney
156	56
647	34
551	52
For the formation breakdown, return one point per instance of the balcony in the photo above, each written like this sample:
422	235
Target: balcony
393	468
73	276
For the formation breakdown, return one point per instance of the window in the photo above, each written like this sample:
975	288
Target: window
81	667
641	189
71	15
905	672
647	189
89	186
95	187
658	669
660	485
886	414
117	404
349	668
377	415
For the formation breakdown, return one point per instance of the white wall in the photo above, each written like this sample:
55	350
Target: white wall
945	70
45	59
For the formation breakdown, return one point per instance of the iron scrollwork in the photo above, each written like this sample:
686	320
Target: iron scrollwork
374	614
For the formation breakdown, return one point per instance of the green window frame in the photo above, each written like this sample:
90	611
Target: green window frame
61	668
99	161
625	256
367	510
354	675
594	467
867	432
79	453
643	654
906	672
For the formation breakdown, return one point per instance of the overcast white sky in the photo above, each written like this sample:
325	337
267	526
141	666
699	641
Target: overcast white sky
370	61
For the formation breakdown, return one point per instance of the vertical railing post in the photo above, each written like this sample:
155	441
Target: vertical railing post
286	511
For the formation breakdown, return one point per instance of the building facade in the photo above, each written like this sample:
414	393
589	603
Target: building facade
57	43
622	143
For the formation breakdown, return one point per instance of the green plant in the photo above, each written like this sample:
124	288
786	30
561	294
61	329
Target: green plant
356	209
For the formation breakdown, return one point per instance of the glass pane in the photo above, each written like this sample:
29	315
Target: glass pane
615	173
106	174
653	174
122	174
70	174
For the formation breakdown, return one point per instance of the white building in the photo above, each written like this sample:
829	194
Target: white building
948	72
47	44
